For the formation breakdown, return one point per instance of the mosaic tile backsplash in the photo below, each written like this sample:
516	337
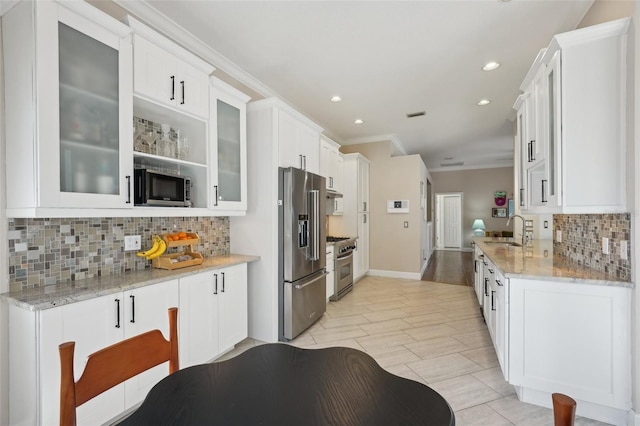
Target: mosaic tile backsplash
582	241
49	251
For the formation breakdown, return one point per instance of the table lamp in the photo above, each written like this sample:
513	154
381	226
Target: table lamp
479	227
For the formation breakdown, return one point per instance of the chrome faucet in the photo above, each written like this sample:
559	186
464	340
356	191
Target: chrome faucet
523	231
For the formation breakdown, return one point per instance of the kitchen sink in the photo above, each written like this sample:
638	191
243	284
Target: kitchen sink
504	243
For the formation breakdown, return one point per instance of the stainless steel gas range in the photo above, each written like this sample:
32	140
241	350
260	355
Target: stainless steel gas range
343	276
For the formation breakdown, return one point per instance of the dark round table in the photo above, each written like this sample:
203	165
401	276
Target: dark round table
279	384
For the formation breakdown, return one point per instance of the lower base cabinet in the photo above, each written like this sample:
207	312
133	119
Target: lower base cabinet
211	321
559	336
34	376
574	339
330	265
213	314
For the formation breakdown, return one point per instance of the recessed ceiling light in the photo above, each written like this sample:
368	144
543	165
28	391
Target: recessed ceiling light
490	66
358	121
336	98
483	102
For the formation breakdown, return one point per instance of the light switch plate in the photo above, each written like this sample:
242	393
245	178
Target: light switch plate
558	235
132	242
605	245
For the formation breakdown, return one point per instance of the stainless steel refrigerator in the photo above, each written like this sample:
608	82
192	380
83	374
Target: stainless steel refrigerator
302	247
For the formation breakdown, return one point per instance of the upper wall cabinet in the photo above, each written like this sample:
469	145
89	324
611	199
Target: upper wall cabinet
571	124
331	164
228	147
168	74
299	141
68	120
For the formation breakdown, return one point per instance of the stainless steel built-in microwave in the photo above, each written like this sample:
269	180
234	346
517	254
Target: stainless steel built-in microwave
153	188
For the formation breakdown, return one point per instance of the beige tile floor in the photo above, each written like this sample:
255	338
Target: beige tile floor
431	333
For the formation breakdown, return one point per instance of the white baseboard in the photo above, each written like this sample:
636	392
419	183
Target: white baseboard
633	419
395	274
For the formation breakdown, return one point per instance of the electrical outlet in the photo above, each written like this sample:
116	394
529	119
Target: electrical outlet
132	242
624	247
558	236
605	245
406	224
546	224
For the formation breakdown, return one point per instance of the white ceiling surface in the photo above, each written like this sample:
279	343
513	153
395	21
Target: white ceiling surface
387	59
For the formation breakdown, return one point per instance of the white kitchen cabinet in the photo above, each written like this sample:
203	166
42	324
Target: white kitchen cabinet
521	150
68	123
339	202
578	90
331	166
361	255
228	148
501	324
92	324
478	276
299	142
571	338
363	186
488	303
331	270
198	327
146	309
213	316
356	217
168	74
232	307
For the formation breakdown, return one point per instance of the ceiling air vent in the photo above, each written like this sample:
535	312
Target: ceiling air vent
452	164
416	114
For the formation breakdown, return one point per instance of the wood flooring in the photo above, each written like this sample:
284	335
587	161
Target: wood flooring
451	267
428	332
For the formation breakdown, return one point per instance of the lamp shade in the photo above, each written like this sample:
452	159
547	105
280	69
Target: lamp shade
479	227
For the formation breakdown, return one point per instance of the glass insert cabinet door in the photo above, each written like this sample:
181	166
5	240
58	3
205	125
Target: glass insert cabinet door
229	152
89	114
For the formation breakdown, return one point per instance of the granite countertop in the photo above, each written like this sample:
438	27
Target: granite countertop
537	261
50	296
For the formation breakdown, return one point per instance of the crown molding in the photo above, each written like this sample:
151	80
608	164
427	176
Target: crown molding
146	13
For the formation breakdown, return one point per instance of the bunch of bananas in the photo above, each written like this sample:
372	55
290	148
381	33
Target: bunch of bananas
159	247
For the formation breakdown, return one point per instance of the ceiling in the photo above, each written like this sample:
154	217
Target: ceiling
387	59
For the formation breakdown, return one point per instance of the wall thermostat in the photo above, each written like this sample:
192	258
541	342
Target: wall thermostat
398	206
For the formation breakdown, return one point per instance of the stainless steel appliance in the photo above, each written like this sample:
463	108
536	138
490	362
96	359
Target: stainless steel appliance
154	188
302	242
343	275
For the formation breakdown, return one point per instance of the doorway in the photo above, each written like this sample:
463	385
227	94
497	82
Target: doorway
449	221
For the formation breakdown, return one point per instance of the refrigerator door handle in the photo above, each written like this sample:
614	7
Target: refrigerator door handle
315	224
311	280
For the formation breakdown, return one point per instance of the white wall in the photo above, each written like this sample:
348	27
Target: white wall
478	187
4	272
392	247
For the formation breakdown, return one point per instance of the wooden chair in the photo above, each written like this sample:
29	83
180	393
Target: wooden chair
113	365
564	409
